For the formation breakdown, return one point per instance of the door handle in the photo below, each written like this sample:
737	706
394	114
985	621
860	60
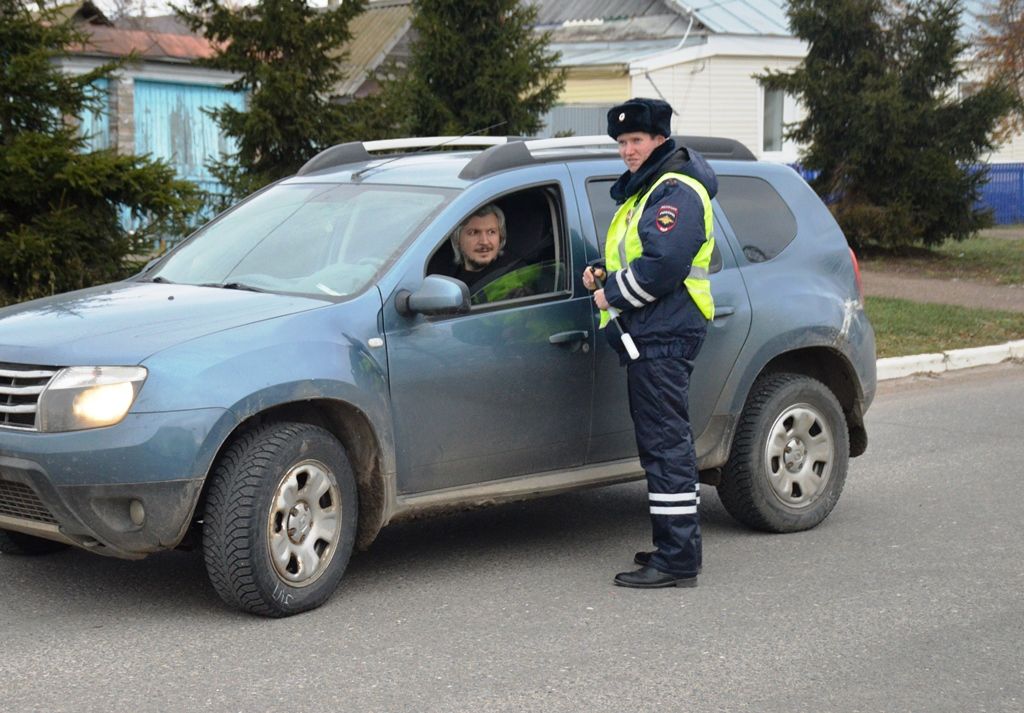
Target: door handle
724	311
569	337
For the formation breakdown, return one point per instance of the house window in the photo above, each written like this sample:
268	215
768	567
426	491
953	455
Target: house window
968	89
773	104
779	110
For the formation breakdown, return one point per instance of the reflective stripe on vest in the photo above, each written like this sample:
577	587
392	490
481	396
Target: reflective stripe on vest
623	245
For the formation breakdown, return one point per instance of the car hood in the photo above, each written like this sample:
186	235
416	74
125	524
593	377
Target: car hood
123	323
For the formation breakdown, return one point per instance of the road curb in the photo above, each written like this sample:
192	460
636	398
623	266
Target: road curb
898	367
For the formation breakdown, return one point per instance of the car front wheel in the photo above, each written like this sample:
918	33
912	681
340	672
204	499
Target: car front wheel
789	457
280	519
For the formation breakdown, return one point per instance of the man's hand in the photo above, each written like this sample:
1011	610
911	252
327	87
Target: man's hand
599	300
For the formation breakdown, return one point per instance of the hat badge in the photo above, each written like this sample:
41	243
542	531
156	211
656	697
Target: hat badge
622	116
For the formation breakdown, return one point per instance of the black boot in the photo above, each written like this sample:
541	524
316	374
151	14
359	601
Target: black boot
650	578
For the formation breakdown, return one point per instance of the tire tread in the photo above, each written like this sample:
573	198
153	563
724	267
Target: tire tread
228	549
737	491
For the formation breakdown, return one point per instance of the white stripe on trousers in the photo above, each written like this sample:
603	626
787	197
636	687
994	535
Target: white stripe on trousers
684	510
692	500
673	497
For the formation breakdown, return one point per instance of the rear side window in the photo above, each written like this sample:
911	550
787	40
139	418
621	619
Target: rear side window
763	223
603	208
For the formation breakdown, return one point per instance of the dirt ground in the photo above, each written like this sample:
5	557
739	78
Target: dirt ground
953	291
879	283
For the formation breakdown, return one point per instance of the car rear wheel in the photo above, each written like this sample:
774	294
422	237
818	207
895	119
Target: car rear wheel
790	455
17	543
280	519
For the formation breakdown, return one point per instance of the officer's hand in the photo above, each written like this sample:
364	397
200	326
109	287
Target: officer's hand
591	275
599	300
588	278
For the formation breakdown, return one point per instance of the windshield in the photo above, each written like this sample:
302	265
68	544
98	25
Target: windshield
303	238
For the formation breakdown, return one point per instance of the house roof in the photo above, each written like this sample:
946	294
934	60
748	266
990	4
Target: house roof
663	18
600	54
375	32
115	42
725	45
611	20
551	13
741	17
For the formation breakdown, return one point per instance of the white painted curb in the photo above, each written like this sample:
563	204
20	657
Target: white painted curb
898	367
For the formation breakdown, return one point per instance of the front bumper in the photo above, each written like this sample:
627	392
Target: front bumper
125	491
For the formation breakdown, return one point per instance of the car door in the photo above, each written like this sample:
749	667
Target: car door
612	432
503	390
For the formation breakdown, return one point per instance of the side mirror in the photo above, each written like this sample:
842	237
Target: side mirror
437	295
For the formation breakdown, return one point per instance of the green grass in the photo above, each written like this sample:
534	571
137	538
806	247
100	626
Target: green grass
903	327
996	256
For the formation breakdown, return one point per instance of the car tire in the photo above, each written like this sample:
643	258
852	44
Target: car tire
18	543
280	519
789	457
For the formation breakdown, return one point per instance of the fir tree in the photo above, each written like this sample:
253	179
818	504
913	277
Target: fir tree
61	207
895	149
474	64
287	54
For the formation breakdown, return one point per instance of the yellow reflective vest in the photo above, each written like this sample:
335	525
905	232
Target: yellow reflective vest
623	244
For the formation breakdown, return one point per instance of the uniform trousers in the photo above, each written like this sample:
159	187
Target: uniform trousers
658	403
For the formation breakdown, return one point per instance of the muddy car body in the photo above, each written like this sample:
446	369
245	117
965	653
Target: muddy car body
299	373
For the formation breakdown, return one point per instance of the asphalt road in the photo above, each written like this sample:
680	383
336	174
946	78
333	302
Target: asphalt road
910	597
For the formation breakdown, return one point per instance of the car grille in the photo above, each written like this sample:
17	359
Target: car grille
20	386
18	500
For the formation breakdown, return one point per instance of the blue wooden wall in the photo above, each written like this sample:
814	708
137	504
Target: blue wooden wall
95	124
170	124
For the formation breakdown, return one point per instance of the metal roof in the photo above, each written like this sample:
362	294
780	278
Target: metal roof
114	42
375	32
732	17
742	17
670	17
609	53
557	12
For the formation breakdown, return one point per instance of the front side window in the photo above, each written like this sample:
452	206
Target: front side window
510	248
302	238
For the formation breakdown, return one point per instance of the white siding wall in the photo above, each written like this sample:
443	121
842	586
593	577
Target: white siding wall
736	111
1010	152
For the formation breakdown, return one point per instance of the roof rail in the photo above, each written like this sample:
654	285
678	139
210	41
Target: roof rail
358	151
521	153
503	152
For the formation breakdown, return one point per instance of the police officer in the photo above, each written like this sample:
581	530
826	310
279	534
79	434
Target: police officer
656	274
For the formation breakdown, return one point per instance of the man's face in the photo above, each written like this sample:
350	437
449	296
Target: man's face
479	241
636	146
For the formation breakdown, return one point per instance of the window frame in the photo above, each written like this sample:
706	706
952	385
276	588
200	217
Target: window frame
553	193
788	152
737	236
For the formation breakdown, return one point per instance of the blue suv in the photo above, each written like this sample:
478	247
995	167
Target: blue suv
303	370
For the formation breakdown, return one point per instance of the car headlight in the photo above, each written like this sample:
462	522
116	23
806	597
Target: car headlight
81	397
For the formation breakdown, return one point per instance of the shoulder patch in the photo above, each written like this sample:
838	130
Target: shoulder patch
666	218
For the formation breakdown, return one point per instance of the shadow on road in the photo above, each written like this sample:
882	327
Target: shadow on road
599	528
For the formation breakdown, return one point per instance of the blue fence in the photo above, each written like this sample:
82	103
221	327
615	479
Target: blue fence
1003	193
